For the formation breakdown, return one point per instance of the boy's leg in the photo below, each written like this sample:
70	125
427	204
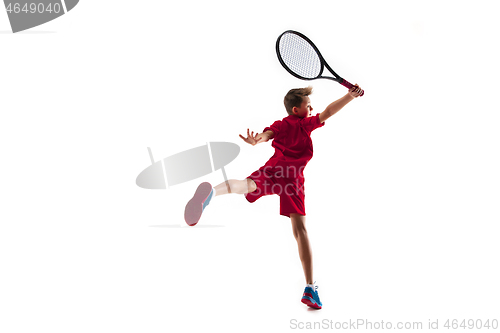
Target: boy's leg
310	296
235	186
205	192
305	253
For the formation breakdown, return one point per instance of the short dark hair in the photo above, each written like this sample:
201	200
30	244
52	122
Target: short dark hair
295	97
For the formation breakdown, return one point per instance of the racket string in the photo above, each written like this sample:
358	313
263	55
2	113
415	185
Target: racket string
299	56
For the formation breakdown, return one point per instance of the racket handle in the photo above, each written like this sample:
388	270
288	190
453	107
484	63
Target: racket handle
349	86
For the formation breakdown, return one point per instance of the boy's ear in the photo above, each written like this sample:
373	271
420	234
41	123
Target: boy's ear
294	110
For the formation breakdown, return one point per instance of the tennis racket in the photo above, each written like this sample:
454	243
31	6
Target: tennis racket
301	58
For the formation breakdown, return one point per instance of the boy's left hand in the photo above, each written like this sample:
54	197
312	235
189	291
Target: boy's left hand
355	91
251	139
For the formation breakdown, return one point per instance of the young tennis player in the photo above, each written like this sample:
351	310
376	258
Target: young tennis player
282	174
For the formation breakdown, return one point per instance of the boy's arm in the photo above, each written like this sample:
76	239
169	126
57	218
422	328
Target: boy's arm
336	106
257	138
266	136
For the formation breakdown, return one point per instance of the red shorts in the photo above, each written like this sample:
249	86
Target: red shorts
269	181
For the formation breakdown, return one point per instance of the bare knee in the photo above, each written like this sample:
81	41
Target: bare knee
299	232
238	186
251	186
298	225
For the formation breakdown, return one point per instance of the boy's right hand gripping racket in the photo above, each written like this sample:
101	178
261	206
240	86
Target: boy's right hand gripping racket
302	59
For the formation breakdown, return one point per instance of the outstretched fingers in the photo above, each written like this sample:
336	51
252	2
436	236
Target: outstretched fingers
251	137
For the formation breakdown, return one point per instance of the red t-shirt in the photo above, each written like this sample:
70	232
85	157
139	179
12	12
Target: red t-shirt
292	143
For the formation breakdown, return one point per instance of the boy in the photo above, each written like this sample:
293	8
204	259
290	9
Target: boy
282	174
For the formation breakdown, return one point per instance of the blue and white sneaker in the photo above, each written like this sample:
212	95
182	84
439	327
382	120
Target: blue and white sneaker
198	203
311	298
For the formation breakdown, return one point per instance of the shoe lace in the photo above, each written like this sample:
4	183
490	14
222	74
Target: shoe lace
316	290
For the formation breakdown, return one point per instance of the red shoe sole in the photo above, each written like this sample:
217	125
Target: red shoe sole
194	207
311	304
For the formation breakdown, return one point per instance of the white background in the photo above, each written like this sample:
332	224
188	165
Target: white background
402	193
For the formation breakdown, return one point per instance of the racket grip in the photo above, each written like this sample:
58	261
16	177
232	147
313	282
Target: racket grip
349	86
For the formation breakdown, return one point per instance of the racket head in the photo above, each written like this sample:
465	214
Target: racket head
299	56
